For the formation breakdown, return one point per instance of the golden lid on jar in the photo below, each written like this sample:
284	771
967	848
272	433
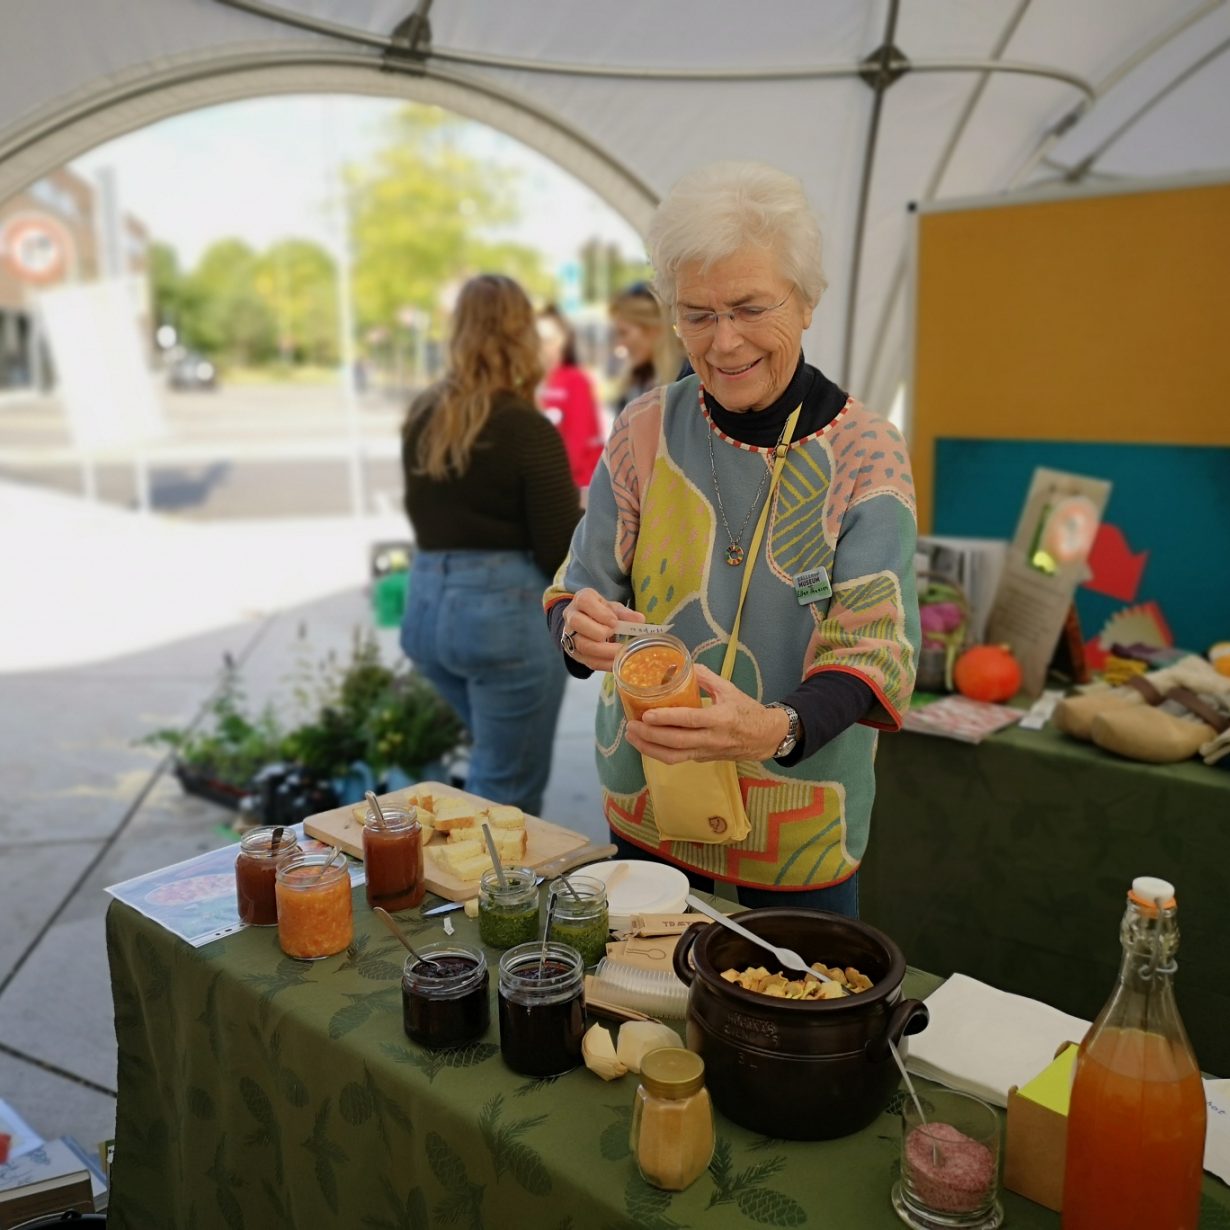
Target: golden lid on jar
672	1072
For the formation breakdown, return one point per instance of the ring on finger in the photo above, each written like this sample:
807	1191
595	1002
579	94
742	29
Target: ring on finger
568	643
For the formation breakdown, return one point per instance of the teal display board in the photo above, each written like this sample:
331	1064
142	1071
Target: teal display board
1171	501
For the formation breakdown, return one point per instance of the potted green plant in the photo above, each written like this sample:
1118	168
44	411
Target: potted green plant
375	726
218	754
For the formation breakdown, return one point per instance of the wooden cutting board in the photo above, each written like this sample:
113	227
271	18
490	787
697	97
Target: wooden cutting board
544	841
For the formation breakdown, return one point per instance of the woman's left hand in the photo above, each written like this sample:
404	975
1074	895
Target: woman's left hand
734	727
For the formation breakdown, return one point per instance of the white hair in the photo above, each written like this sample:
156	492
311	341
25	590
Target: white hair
717	209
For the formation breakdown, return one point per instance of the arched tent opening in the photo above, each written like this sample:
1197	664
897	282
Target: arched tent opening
874	106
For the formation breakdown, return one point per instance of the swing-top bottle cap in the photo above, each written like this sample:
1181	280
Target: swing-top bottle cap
1147	891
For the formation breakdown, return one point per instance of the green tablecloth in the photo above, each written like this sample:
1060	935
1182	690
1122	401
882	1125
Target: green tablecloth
1009	861
257	1092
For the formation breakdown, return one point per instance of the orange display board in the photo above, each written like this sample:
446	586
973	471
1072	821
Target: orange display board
1088	318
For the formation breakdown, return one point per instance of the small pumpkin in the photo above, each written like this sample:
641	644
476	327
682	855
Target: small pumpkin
988	672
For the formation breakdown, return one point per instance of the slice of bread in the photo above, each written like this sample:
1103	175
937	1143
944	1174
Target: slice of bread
452	813
510	843
502	816
463	862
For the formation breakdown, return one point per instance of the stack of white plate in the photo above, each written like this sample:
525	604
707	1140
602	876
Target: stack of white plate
642	888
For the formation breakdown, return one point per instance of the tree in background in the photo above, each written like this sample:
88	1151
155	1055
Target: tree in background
243	307
235	323
426	216
174	296
297	281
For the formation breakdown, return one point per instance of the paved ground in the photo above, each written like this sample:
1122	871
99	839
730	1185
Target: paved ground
240	452
114	625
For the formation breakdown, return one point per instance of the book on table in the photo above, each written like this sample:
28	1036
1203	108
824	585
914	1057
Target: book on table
47	1180
60	1194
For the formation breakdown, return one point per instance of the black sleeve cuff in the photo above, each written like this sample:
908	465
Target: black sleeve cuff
827	704
555	623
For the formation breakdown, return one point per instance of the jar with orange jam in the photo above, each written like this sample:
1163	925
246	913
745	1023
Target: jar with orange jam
393	859
315	915
256	867
655	672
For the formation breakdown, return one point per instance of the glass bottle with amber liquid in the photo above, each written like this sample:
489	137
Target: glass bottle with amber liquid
1137	1117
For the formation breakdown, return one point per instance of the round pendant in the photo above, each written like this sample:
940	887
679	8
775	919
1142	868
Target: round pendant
734	555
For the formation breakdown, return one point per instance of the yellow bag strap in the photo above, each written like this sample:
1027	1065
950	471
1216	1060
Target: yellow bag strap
753	551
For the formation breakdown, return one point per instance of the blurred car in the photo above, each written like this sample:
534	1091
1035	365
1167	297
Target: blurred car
193	371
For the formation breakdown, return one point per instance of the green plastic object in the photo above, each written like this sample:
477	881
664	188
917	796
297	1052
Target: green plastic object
389	599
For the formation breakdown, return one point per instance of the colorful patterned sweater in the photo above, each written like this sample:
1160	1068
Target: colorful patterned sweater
651	538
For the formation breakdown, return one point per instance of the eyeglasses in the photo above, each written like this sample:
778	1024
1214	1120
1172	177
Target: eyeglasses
745	316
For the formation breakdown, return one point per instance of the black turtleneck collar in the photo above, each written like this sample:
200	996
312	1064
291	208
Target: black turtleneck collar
822	401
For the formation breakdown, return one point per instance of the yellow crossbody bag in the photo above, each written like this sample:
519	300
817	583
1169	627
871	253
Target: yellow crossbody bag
700	800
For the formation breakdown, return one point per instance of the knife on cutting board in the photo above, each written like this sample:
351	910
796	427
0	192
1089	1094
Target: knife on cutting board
591	853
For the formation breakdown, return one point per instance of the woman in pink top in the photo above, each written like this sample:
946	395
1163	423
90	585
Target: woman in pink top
566	396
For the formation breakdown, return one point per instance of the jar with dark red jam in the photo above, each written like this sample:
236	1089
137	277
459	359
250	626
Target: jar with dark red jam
542	1008
256	867
393	859
446	1003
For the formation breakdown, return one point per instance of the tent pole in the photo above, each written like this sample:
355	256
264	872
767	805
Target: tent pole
932	189
882	78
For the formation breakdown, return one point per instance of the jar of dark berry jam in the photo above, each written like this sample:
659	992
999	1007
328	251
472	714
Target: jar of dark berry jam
446	1003
542	1008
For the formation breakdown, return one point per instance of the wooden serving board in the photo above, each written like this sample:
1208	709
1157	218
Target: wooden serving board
544	841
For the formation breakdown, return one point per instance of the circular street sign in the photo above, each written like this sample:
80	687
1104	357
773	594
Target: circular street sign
36	248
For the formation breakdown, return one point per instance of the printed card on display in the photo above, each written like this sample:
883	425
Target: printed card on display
1045	563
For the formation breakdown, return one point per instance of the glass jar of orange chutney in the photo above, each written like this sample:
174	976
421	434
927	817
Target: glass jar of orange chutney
315	915
393	859
256	866
655	672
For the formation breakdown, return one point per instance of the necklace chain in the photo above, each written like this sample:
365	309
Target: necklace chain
734	552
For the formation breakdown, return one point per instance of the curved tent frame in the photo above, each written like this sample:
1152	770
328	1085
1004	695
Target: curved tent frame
244	48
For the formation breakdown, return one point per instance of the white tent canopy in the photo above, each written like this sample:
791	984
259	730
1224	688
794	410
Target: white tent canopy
874	104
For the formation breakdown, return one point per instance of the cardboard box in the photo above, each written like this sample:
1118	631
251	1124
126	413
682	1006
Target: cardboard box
1037	1132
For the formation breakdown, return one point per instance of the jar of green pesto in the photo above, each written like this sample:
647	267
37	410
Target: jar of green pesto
508	916
578	911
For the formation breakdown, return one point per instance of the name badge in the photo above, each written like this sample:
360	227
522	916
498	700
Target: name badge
812	585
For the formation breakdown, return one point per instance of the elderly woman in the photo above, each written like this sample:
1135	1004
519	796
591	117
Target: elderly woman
829	633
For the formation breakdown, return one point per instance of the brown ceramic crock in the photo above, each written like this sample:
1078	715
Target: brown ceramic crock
791	1069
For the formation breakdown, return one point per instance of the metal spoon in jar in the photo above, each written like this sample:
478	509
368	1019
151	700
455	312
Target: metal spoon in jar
389	921
334	853
374	804
495	856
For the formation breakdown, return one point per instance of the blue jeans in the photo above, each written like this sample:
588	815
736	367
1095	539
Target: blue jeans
838	898
474	627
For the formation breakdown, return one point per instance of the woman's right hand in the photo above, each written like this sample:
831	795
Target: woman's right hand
589	620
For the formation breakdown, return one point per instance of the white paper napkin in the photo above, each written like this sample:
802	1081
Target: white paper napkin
1217	1139
982	1040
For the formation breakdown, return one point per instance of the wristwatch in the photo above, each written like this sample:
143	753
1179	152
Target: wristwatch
788	744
